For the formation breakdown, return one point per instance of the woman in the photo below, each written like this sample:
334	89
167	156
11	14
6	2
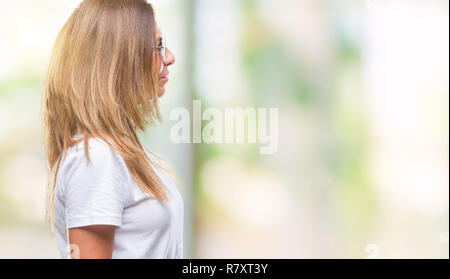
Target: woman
106	197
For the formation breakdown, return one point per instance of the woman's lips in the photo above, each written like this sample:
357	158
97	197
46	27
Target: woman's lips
164	78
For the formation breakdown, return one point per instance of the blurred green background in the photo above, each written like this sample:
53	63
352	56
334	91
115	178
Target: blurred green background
362	87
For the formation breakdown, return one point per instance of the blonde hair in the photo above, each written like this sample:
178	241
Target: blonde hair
101	82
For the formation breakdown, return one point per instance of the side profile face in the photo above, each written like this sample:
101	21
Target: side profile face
162	63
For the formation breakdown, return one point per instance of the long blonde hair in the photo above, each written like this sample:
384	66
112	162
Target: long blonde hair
101	82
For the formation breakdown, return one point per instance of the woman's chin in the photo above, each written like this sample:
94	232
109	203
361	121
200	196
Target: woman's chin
161	91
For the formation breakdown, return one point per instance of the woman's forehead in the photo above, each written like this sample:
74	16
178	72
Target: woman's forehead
157	31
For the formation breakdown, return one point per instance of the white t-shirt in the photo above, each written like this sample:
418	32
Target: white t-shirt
103	192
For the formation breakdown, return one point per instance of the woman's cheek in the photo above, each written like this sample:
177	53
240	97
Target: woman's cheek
155	64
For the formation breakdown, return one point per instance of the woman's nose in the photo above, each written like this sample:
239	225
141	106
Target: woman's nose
170	58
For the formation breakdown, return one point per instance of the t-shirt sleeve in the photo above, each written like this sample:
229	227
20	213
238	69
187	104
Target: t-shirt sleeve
95	191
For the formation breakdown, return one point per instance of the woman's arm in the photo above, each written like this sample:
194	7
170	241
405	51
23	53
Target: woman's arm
92	242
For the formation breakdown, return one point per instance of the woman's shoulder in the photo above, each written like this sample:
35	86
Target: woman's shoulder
93	143
100	154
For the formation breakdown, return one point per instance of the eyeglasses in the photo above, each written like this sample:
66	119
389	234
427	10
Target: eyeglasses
162	52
